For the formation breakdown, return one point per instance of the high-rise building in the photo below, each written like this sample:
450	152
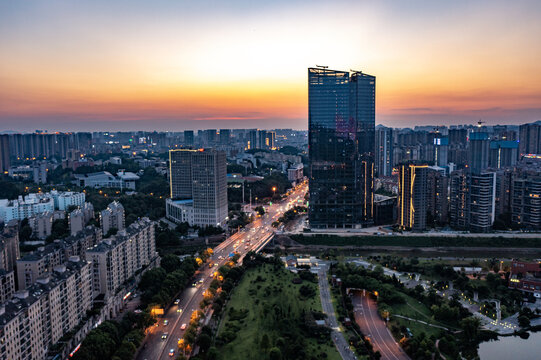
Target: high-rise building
225	136
76	221
188	138
198	180
5	153
341	123
412	196
482	197
526	201
458	200
384	151
210	136
530	139
118	258
112	217
252	139
503	153
478	150
437	202
38	317
441	150
266	139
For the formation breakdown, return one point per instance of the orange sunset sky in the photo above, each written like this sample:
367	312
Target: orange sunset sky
171	65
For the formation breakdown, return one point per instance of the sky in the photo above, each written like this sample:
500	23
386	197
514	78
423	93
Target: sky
106	65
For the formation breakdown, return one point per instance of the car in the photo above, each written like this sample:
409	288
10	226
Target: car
171	352
179	310
177	301
183	326
164	336
165	322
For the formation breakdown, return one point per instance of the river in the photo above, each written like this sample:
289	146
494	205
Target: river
512	347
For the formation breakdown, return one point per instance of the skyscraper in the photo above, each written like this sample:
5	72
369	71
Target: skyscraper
4	153
188	138
198	181
412	196
478	150
384	151
530	139
341	123
225	136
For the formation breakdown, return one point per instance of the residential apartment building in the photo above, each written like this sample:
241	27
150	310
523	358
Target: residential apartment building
412	196
112	217
36	318
117	258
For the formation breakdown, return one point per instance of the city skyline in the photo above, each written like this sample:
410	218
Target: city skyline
173	66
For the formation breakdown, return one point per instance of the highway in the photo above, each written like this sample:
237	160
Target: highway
253	237
371	324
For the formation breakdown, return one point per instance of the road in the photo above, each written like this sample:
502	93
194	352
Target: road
251	238
371	324
326	303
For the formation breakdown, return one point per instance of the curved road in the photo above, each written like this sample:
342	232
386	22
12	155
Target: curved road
371	324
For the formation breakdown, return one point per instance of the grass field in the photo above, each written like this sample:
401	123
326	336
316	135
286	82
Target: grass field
415	310
417	241
261	294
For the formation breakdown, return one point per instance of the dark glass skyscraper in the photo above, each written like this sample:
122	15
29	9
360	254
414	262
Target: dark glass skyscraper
341	123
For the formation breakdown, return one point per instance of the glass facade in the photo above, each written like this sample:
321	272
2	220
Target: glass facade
341	123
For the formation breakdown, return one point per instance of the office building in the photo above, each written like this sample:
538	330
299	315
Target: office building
5	154
112	217
441	150
119	257
295	173
384	151
252	139
341	122
198	181
530	139
412	196
210	137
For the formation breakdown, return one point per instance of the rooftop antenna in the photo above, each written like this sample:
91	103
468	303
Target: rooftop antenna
322	66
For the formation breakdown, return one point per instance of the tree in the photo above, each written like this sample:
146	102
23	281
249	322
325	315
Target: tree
204	341
275	354
170	263
126	351
523	321
265	342
470	327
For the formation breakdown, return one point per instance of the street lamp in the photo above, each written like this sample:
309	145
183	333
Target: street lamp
273	191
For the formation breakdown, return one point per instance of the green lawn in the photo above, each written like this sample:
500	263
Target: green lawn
415	310
254	305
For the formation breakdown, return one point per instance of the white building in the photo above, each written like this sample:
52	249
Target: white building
63	200
295	173
104	179
112	217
